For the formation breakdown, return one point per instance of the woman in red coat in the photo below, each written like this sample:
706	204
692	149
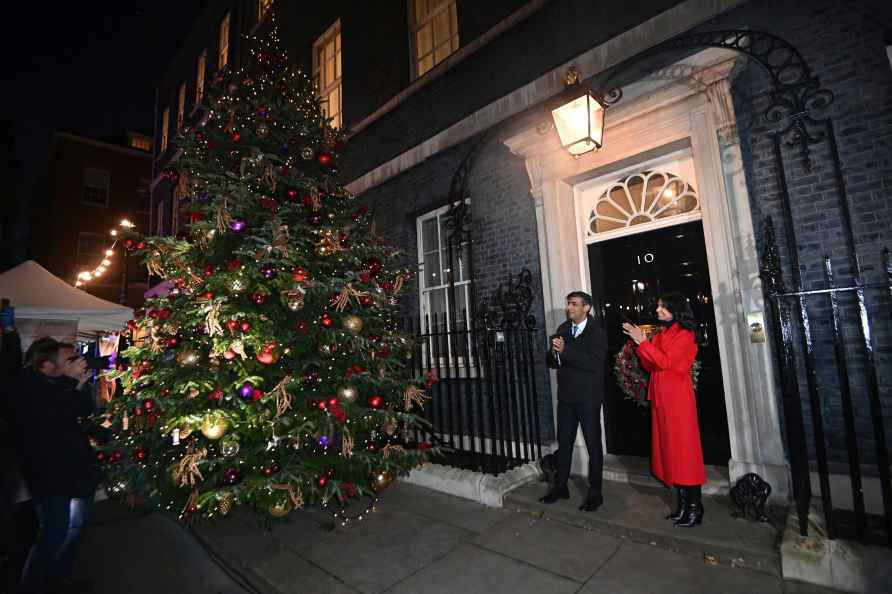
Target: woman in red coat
677	456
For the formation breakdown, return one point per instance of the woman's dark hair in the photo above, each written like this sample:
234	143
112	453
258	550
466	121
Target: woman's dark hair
680	308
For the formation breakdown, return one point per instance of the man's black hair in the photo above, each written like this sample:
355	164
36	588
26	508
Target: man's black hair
586	298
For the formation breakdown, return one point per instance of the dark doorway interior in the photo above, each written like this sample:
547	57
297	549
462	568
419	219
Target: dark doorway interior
627	276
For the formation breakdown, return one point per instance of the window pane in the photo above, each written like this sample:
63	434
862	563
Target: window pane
436	305
420	10
464	266
442	52
423	41
337	42
441	27
338	65
430	235
426	64
453	13
432	276
334	101
329	72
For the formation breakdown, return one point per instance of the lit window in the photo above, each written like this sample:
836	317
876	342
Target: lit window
223	56
640	198
181	106
327	73
263	7
433	27
140	142
96	182
165	125
434	274
199	76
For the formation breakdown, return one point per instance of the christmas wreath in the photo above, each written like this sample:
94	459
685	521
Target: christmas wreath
632	379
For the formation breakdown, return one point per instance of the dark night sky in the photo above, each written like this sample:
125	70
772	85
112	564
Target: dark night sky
85	67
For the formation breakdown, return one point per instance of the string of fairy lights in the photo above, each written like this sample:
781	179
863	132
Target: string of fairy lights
85	276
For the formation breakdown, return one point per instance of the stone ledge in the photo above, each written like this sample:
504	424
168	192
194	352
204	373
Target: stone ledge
838	564
483	488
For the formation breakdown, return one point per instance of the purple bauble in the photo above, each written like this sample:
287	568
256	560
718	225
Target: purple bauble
269	272
232	477
246	391
237	225
323	441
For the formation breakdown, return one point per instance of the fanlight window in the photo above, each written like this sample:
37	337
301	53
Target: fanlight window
642	198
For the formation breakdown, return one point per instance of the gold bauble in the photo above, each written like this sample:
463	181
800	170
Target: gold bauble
324	250
229	446
381	479
185	432
214	427
280	509
348	393
352	324
188	358
237	285
227	499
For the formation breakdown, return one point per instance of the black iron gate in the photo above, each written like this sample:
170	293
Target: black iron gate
484	406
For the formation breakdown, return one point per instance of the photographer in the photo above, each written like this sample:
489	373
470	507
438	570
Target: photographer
56	459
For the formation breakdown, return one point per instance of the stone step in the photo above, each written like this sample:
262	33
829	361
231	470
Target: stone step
636	512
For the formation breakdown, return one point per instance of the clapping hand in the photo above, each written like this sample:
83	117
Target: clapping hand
76	369
634	332
557	344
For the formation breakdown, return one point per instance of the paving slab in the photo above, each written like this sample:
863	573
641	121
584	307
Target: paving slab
287	573
472	570
124	552
636	512
560	548
448	509
385	548
645	569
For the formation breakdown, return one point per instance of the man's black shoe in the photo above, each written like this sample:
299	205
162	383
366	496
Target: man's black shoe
555	494
592	502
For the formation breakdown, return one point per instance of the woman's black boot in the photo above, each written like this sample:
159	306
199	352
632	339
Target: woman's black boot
682	498
692	514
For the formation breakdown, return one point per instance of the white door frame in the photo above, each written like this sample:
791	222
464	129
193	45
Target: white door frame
654	119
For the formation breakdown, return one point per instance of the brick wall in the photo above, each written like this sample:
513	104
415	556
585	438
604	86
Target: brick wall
843	44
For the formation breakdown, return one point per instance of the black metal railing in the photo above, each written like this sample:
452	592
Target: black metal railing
484	404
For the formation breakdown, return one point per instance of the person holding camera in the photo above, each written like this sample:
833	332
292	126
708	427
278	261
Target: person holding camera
578	350
57	461
676	453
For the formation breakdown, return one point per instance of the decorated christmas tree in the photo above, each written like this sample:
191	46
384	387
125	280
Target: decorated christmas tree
271	373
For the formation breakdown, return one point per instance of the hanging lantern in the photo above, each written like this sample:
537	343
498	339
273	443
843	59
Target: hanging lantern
580	120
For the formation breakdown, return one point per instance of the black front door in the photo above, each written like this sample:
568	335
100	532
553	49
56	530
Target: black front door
627	276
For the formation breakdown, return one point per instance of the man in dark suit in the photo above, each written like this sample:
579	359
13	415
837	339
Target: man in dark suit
578	349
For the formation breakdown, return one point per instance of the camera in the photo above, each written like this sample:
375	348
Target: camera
95	363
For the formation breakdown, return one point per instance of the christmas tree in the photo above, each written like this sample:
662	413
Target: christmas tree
272	374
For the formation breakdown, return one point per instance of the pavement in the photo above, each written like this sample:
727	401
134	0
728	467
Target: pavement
419	540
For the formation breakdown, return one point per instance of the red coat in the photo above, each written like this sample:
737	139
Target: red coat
676	453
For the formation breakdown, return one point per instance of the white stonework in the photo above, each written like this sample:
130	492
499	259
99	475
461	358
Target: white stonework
690	122
476	486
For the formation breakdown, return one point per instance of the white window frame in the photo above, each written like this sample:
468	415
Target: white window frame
159	219
223	51
327	73
418	27
165	129
181	106
424	293
200	73
105	186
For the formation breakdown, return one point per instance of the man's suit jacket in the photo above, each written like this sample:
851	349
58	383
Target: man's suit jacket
580	374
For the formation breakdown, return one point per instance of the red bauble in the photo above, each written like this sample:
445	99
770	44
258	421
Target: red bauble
236	137
164	392
148	404
100	456
258	298
232	325
300	274
209	270
267	357
373	265
307	201
285	172
327	321
322	480
324	159
208	295
139	455
301	326
173	341
245	326
322	405
257	394
128	243
199	135
216	395
138	411
292	194
141	245
365	277
376	401
164	313
366	300
229	355
233	265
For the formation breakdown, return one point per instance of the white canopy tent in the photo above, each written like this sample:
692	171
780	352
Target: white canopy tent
39	295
